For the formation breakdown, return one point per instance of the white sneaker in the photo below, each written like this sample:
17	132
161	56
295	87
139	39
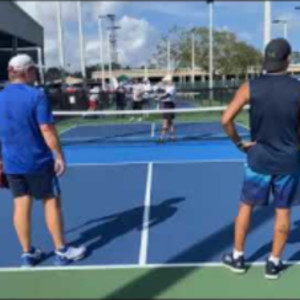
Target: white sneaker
70	254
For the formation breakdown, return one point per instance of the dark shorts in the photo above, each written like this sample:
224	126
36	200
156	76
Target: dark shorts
258	189
168	105
42	185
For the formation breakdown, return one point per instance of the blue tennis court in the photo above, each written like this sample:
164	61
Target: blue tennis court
144	204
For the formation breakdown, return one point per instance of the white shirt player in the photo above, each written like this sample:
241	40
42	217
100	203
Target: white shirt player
137	92
170	92
147	90
94	94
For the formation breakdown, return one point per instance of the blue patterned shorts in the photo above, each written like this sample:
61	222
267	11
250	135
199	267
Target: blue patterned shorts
258	189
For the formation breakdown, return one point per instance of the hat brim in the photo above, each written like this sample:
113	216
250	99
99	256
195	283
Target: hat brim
20	69
275	66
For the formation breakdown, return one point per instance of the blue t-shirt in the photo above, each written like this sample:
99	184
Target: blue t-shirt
22	109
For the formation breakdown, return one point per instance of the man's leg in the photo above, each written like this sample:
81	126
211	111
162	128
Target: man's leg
235	260
255	192
242	224
172	129
53	215
22	221
281	231
274	265
54	221
164	129
286	194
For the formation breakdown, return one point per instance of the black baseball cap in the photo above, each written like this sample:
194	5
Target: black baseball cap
276	55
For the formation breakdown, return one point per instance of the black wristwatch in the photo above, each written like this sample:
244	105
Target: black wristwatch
240	144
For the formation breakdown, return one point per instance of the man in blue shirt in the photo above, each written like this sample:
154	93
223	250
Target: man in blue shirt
273	160
32	159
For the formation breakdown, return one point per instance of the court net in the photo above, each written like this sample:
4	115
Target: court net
193	124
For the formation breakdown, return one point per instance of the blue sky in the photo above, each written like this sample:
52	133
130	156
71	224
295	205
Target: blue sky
143	23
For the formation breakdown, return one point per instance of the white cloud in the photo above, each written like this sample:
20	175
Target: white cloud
136	42
44	12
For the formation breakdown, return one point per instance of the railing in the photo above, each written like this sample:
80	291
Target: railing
109	101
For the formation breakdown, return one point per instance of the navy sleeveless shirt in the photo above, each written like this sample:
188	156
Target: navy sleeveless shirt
274	124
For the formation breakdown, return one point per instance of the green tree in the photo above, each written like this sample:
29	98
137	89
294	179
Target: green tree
231	56
53	73
295	57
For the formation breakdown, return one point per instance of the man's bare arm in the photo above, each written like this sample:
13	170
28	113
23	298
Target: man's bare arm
51	138
240	99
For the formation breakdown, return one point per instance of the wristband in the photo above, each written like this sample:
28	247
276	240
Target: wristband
240	144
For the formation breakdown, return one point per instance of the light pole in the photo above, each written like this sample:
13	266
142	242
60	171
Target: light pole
61	53
41	67
101	44
193	58
109	56
145	71
211	48
284	26
169	56
81	42
267	24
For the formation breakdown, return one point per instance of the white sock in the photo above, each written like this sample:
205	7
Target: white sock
274	260
237	254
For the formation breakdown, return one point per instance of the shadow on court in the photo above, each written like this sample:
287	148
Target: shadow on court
102	231
157	280
295	238
109	228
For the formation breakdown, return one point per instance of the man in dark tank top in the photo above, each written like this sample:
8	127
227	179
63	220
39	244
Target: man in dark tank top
273	164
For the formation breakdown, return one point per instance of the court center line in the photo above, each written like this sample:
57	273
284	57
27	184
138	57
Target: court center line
146	218
153	130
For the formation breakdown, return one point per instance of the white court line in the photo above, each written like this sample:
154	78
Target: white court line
101	125
153	130
135	266
67	129
146	218
162	162
243	125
